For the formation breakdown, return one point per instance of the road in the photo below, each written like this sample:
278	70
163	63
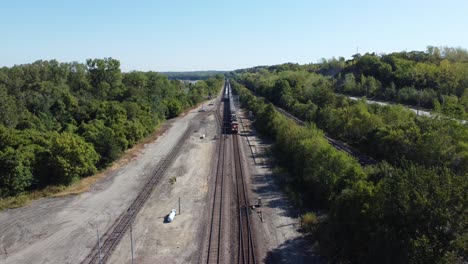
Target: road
418	112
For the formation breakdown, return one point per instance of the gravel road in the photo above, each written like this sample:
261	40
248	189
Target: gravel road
278	239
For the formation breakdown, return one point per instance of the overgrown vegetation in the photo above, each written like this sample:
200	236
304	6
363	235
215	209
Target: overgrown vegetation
390	133
60	122
404	212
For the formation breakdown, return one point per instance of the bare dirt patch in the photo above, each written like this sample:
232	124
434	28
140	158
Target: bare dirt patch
155	240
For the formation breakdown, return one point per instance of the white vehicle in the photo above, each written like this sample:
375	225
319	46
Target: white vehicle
171	216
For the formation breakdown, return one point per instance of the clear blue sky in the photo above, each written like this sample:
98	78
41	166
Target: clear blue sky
223	35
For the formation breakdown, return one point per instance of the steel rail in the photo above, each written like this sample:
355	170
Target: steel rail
246	253
214	254
115	233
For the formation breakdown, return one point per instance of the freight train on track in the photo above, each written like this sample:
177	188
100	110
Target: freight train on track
231	238
228	98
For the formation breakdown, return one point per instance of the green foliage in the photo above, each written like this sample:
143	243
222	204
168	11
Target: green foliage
413	215
8	110
309	221
70	158
103	139
410	210
384	132
61	121
415	78
15	166
193	75
320	171
174	108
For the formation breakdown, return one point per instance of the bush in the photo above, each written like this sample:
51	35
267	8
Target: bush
309	221
16	173
70	158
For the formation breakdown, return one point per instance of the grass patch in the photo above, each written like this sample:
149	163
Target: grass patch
309	221
172	180
25	199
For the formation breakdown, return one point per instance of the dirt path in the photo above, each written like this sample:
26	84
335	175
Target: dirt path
63	230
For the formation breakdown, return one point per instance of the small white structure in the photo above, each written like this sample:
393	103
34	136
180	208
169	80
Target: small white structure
171	216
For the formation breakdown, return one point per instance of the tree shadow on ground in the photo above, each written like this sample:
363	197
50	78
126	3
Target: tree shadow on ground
298	250
272	196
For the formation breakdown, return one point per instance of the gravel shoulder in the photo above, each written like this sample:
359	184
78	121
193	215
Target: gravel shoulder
278	238
63	230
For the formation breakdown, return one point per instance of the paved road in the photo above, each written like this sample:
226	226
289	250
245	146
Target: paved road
419	112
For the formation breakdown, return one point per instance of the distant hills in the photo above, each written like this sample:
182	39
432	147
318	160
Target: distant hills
192	75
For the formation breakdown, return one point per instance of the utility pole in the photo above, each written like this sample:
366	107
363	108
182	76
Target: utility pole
99	245
419	101
131	240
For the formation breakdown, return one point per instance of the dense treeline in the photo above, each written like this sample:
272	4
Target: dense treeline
390	133
63	121
435	79
380	214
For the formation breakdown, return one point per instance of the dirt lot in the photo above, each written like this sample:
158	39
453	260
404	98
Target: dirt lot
63	230
178	241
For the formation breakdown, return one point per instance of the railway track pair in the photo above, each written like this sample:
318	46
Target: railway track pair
362	159
246	252
216	240
102	251
215	253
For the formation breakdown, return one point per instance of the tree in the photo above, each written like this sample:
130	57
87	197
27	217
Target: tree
8	109
70	158
103	139
15	171
174	108
105	77
349	84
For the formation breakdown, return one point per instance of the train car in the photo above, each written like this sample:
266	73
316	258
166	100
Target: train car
234	122
226	92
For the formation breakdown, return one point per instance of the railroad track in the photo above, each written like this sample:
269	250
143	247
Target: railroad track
115	233
215	252
362	159
246	250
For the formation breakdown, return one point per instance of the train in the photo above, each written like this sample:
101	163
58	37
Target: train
228	99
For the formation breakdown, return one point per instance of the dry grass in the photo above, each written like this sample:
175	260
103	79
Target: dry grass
309	221
25	199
